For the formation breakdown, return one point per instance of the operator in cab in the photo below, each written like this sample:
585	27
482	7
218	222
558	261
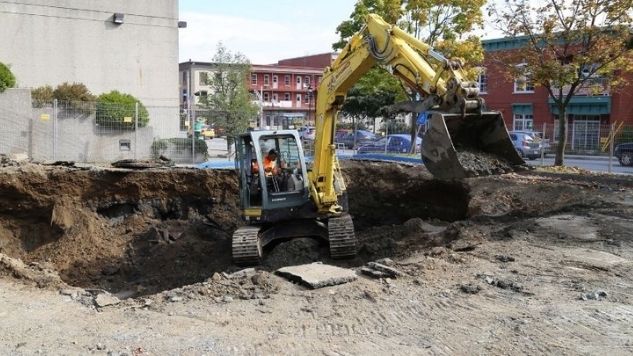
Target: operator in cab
270	163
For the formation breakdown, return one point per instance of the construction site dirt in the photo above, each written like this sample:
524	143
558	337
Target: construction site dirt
114	261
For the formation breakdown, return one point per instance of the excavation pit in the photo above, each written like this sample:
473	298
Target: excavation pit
141	232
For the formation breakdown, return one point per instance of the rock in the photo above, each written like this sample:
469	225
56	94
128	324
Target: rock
504	258
369	296
175	298
227	299
100	347
373	273
386	261
595	295
105	299
390	271
216	277
317	275
242	273
470	288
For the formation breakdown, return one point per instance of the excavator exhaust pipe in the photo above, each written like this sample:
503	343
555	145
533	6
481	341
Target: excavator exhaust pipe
459	146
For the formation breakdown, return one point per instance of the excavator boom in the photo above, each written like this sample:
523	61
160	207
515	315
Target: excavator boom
461	136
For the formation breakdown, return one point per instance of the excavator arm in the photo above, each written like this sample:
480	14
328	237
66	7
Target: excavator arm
441	81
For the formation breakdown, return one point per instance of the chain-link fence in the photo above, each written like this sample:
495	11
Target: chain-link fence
99	133
585	139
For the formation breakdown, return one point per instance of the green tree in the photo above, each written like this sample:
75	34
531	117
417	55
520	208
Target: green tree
567	46
73	96
442	24
117	110
7	79
42	95
228	96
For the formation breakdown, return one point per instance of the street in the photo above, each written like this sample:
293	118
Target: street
593	164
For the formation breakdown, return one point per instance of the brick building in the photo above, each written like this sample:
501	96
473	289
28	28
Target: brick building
285	91
528	107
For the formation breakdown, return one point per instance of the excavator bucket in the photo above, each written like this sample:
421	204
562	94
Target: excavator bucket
459	146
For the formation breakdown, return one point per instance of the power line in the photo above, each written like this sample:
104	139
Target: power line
78	18
80	9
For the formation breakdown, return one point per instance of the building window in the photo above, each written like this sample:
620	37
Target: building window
275	97
298	80
482	80
266	97
298	98
253	79
523	122
274	79
203	78
184	78
523	83
266	79
287	80
287	96
306	98
307	81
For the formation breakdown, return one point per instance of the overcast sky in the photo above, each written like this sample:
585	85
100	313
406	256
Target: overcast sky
264	31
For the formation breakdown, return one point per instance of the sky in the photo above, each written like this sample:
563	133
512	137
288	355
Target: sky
264	31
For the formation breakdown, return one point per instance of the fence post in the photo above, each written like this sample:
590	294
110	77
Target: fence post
611	139
54	129
136	130
193	136
386	137
543	147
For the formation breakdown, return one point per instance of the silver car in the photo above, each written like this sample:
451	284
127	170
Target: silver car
525	144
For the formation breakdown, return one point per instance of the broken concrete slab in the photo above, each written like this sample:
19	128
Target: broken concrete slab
105	299
573	226
592	258
317	275
384	270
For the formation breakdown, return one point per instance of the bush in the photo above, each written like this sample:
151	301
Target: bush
7	79
75	94
114	107
42	95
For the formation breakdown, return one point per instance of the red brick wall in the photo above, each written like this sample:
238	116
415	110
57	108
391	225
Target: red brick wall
321	61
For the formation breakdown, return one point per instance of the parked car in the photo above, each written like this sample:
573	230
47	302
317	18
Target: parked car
396	143
525	145
537	137
307	133
357	138
207	132
624	153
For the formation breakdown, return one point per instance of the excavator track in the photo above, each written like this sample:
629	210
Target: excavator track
246	246
341	235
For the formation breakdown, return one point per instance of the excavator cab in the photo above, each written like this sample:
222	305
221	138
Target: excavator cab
459	146
267	185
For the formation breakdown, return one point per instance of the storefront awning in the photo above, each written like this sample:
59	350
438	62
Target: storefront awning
522	109
585	105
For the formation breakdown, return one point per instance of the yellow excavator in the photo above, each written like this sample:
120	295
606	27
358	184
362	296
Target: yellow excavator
281	198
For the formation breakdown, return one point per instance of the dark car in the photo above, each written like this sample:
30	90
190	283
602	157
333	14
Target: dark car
355	139
624	152
396	143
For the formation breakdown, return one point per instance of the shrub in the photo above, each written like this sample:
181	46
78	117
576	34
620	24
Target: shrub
42	95
75	94
114	107
7	79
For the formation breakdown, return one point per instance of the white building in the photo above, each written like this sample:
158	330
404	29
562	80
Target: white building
130	46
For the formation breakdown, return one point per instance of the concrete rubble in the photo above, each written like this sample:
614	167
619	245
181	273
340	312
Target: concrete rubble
317	275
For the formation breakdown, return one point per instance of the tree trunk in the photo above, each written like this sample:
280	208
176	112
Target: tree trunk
413	131
562	136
